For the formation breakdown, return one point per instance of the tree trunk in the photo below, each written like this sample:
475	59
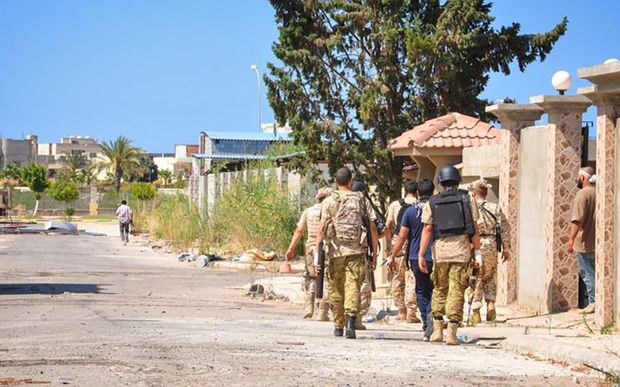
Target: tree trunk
36	208
117	180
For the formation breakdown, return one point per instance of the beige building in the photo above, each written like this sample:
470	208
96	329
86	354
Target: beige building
54	152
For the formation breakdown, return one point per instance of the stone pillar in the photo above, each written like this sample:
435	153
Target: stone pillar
606	96
94	201
513	118
564	160
212	192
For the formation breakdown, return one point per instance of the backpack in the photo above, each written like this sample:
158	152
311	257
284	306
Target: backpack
348	221
452	214
404	206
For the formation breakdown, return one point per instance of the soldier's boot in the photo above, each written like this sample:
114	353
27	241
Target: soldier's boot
437	336
475	318
491	314
350	327
323	311
338	332
402	314
359	325
451	339
412	317
309	301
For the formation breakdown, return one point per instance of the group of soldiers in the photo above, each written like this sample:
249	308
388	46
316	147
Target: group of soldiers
435	243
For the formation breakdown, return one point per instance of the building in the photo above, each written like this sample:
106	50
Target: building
54	152
234	147
18	152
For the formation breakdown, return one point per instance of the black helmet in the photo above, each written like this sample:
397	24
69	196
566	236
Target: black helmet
449	174
359	186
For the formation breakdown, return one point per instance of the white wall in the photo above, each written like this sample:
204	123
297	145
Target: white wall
532	206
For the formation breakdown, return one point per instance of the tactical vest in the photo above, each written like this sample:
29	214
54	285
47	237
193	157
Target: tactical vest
347	221
452	214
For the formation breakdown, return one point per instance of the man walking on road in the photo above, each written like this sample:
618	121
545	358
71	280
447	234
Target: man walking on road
342	230
450	219
582	231
125	217
403	281
310	221
411	232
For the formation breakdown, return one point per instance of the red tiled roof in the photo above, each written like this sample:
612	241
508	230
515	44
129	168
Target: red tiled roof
454	130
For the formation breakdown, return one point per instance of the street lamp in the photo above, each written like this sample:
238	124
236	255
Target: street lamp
561	81
255	69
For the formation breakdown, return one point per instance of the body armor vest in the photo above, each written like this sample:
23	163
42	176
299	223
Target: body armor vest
452	214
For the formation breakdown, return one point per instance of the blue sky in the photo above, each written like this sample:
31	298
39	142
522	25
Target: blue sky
159	71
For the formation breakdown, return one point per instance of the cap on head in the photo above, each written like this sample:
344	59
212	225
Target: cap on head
359	186
480	186
323	193
449	175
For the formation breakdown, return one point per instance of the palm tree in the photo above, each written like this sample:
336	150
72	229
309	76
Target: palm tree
75	161
121	158
166	176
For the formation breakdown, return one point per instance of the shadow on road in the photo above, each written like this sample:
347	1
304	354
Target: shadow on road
52	288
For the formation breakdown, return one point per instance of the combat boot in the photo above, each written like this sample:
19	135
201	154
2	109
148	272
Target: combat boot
323	312
309	301
338	332
491	314
452	329
359	325
402	314
350	327
412	317
437	336
475	318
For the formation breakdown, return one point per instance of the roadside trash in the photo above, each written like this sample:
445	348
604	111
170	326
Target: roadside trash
380	336
256	289
370	320
186	257
261	255
463	339
381	315
65	228
202	261
285	268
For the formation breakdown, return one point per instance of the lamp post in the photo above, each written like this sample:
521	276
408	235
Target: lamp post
255	69
561	81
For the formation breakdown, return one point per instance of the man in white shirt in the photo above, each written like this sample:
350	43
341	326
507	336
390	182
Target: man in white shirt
125	216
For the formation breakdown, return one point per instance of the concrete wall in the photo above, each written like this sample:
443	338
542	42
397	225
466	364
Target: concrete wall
481	161
532	206
617	233
19	152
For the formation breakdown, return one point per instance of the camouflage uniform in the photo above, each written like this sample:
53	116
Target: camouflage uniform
450	272
310	220
486	282
403	281
346	251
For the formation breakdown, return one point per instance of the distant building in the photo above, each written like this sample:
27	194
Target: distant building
19	152
55	152
231	147
164	161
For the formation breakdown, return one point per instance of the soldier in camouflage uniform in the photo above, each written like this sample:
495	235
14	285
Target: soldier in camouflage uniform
486	281
345	243
310	221
454	230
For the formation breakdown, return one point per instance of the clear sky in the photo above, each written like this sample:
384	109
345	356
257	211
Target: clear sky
160	71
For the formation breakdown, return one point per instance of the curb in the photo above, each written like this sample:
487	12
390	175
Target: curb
247	266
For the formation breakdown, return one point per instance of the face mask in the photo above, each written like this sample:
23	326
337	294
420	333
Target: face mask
579	184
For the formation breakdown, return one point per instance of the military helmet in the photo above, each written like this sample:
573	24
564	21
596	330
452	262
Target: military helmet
449	174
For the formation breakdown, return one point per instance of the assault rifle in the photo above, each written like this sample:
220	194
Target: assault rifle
472	286
320	278
369	255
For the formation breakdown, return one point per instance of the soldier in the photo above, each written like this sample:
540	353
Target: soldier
403	281
309	221
489	223
450	218
341	227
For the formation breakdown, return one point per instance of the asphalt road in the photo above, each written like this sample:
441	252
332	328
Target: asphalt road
88	311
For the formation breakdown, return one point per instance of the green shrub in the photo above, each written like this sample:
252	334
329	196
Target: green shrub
143	191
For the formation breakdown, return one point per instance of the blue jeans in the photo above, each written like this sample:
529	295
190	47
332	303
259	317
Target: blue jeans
423	289
587	273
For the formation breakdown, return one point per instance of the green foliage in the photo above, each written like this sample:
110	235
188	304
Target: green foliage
36	178
356	74
253	214
166	176
143	191
64	191
11	172
121	159
148	170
